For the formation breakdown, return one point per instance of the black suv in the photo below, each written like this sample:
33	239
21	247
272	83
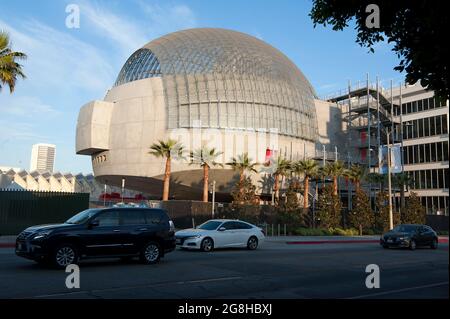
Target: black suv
108	232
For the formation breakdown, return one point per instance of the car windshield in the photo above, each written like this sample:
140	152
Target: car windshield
405	228
82	217
210	225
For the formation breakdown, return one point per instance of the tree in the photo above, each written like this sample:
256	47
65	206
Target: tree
414	212
244	192
382	215
9	68
377	178
329	208
282	168
205	158
401	180
242	164
417	29
309	168
356	174
361	217
334	170
167	149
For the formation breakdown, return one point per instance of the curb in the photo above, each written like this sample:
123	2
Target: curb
7	245
368	241
317	242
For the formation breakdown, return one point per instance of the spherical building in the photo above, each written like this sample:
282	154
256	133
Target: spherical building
212	87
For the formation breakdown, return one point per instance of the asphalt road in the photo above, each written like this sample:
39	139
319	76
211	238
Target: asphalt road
275	270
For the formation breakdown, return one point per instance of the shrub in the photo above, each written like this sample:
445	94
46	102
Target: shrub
344	232
302	231
329	208
361	216
414	212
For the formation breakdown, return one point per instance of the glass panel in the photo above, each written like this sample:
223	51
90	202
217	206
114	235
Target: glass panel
433	152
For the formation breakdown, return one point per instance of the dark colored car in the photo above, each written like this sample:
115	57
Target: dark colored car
147	233
410	236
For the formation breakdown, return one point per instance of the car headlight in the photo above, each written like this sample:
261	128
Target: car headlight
403	238
41	235
195	237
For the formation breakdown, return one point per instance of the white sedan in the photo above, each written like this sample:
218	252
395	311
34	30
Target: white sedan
220	233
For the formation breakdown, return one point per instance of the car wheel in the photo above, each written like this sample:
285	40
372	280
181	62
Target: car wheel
207	244
65	255
412	244
150	253
434	244
385	246
252	243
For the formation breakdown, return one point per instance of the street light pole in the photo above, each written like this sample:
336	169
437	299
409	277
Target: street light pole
391	218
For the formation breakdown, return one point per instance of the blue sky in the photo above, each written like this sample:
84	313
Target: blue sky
67	68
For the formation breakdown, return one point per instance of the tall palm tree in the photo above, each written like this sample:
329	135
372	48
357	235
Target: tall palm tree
401	180
9	68
309	168
242	163
206	158
356	174
334	170
166	149
377	178
283	166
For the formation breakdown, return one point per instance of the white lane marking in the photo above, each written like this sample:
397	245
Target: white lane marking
399	290
134	287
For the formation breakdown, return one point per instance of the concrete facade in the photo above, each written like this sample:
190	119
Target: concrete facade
233	114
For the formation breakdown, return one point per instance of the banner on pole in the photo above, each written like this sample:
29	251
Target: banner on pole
396	160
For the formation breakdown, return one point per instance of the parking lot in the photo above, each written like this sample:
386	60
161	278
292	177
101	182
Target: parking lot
275	270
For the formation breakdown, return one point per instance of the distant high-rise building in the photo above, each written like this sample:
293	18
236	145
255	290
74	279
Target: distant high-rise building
42	157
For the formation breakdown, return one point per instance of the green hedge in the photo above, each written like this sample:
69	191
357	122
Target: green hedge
301	231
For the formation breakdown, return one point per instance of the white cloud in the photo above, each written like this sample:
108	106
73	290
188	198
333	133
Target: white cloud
130	33
58	60
127	36
26	106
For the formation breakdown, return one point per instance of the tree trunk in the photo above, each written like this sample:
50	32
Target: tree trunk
305	193
166	180
205	182
357	186
275	186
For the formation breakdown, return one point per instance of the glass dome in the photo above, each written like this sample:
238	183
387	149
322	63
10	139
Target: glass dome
226	79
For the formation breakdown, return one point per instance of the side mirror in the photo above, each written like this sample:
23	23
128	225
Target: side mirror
222	229
93	223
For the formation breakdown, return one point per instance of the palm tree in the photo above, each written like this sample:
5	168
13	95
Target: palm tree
334	170
309	168
166	149
401	180
356	174
242	163
9	68
283	166
377	178
206	158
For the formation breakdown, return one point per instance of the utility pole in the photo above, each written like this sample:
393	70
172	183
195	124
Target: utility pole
368	123
391	218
